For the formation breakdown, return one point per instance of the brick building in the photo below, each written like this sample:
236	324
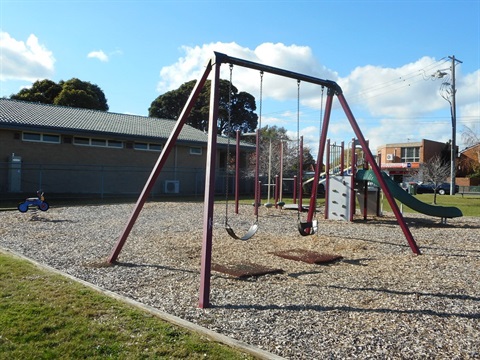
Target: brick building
70	150
401	160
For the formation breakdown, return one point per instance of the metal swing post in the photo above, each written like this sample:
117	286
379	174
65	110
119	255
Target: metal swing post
321	151
160	163
378	174
206	262
327	179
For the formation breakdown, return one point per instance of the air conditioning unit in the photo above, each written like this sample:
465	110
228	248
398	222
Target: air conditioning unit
389	157
172	186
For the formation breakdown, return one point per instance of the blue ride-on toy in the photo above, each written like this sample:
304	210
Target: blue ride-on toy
38	201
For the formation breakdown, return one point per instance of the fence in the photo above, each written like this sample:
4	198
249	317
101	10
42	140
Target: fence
104	180
469	190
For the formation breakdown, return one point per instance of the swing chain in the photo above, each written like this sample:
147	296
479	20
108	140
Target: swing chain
254	227
299	186
228	132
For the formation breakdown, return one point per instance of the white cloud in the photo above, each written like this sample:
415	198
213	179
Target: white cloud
404	130
468	97
390	105
21	60
469	114
395	92
98	54
293	58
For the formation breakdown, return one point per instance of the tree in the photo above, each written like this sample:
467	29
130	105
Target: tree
242	110
82	94
271	140
470	137
471	165
42	91
73	93
435	170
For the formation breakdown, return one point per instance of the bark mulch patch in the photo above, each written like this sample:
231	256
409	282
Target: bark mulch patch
310	257
245	270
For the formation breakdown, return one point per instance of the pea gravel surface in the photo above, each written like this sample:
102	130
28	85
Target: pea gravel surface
380	301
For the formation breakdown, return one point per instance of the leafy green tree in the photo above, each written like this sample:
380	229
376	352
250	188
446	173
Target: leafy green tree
42	91
73	93
82	94
242	109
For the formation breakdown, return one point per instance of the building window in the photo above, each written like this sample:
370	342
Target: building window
195	151
115	144
98	142
410	154
32	137
48	138
84	141
140	146
81	141
51	138
147	146
155	147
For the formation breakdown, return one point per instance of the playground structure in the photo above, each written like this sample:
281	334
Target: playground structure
344	183
333	89
343	186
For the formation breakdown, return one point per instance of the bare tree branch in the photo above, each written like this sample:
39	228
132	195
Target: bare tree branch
435	171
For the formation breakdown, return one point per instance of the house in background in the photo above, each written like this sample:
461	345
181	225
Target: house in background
80	151
468	164
401	159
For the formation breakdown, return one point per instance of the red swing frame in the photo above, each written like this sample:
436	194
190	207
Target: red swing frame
214	64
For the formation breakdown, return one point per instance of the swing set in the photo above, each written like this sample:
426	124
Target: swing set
304	228
333	89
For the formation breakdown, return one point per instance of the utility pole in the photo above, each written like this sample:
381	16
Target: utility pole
453	110
450	96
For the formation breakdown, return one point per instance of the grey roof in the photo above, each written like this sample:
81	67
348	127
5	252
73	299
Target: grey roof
15	114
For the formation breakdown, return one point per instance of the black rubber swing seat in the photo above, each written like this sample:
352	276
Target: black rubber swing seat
248	235
304	226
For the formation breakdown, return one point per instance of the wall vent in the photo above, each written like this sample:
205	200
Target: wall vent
172	186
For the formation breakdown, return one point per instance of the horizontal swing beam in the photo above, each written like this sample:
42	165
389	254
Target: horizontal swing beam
223	58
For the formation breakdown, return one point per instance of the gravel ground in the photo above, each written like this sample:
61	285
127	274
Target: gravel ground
380	301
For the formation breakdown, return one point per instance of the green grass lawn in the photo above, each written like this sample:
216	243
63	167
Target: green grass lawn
47	316
469	204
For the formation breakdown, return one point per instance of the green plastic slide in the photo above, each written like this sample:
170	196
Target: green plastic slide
411	201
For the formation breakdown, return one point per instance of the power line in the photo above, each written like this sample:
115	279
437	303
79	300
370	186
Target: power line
389	86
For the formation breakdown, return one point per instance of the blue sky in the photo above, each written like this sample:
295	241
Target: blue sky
382	53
